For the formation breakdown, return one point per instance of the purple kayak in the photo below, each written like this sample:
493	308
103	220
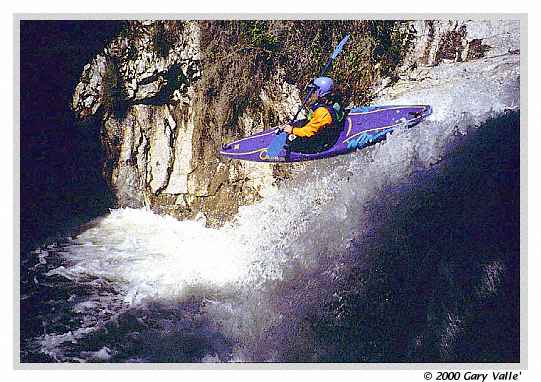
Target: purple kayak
362	127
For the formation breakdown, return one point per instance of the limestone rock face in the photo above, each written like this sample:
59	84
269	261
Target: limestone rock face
436	44
143	91
438	41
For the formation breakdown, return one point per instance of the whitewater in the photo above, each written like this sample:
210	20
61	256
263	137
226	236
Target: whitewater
273	284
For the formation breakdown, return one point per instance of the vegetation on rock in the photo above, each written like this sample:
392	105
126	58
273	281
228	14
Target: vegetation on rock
240	56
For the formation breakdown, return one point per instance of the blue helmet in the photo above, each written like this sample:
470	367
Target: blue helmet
324	86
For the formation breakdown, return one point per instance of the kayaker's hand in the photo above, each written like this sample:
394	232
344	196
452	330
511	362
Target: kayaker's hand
288	129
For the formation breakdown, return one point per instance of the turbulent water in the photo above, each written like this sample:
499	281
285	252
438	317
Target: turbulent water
405	252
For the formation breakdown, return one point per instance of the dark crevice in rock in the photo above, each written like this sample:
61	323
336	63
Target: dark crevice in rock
174	79
476	49
172	140
451	45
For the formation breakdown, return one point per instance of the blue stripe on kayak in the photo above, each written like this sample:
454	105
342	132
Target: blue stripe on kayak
362	109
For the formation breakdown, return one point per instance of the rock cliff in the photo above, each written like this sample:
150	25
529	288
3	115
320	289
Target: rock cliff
142	93
147	93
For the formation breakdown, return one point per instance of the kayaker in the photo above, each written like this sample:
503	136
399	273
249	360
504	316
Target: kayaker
321	128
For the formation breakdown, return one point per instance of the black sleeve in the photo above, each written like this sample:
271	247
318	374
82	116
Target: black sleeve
299	122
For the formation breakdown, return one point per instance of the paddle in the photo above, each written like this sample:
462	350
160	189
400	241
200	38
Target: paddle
328	64
281	137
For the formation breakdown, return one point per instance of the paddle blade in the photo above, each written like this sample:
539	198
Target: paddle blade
339	47
277	144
